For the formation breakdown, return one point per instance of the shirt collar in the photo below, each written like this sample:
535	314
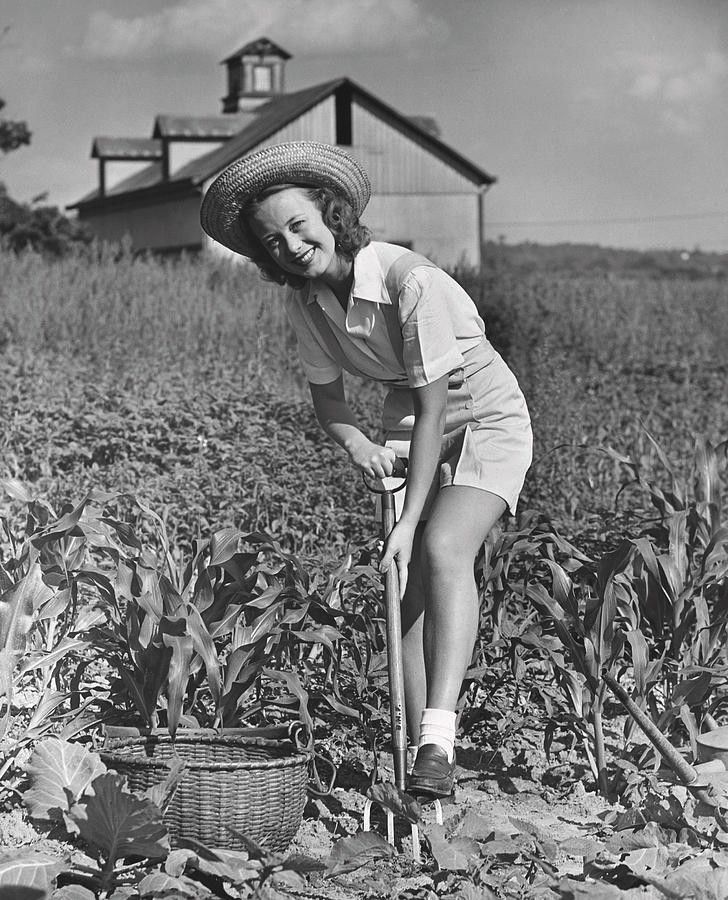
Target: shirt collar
369	281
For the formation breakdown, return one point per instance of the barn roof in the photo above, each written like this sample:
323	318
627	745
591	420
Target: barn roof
126	148
260	125
262	47
195	128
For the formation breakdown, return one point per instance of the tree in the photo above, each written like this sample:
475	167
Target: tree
12	134
23	225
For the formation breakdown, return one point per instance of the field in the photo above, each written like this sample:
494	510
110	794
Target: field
175	385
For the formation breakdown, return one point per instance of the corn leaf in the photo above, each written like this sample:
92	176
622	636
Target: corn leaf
66	525
707	481
716	552
204	645
223	545
563	590
15	489
17	607
640	658
178	673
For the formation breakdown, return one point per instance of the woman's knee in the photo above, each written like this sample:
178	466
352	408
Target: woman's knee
445	549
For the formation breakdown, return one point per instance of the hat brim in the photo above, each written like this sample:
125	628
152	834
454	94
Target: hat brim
296	162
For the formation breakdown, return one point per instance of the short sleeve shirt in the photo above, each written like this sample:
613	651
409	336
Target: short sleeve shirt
438	319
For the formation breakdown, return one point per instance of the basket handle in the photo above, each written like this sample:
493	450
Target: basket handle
303	739
316	785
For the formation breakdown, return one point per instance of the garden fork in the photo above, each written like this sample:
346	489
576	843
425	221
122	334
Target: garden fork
395	666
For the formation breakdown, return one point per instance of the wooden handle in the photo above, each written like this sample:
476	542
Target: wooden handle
394	652
684	771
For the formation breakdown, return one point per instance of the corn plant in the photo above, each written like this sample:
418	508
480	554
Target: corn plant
656	604
43	631
680	580
240	632
572	626
584	616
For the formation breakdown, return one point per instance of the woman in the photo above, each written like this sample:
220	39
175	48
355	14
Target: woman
453	406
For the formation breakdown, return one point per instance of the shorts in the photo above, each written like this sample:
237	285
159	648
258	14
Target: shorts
487	441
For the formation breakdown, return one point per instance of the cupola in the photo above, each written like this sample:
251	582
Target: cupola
254	75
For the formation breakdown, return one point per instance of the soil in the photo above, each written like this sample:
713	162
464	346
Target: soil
490	796
565	810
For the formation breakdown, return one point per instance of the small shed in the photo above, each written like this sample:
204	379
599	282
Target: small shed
425	195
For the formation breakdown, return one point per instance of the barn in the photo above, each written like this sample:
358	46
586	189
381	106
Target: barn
425	195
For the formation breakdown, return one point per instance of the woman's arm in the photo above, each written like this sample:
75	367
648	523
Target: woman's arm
338	421
430	404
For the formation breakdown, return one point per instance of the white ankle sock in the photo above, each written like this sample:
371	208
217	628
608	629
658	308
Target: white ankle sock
437	726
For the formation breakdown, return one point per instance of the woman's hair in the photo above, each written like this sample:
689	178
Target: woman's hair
338	216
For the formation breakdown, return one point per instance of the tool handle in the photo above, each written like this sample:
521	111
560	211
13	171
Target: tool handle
394	651
399	470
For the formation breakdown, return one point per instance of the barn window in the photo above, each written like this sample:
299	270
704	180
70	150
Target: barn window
262	79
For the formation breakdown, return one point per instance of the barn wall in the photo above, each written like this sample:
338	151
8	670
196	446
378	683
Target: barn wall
183	152
443	227
397	163
154	226
119	170
318	124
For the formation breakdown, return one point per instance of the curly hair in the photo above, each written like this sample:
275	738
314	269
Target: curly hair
337	214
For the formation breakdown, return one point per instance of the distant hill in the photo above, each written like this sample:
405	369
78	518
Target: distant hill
583	259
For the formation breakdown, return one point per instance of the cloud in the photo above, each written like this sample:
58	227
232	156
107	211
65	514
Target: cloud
219	26
679	93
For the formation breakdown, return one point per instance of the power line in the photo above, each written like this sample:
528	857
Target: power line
632	220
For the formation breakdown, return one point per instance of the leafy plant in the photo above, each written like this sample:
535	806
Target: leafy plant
42	635
679	584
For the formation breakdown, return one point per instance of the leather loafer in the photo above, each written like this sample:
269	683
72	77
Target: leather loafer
432	775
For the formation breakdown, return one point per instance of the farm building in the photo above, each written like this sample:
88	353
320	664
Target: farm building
425	195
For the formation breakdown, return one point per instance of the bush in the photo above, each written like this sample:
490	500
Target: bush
41	228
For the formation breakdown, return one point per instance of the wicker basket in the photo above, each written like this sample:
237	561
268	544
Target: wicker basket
256	786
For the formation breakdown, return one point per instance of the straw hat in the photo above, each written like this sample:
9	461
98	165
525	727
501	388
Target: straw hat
296	162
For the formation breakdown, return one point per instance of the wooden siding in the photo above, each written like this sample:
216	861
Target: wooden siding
116	172
318	124
183	152
396	163
153	226
442	227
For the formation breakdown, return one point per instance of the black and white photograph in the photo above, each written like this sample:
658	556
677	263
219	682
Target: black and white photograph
364	449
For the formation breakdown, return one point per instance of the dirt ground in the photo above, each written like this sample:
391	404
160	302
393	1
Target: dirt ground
490	797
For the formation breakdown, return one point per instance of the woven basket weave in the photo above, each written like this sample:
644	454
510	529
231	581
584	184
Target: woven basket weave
256	786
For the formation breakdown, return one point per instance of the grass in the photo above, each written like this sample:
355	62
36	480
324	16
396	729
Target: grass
179	378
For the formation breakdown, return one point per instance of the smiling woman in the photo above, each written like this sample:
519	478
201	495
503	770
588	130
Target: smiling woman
453	407
303	232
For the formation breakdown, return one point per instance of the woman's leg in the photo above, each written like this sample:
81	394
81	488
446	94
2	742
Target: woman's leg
413	656
459	523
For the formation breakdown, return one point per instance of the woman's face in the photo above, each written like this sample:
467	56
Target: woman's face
290	227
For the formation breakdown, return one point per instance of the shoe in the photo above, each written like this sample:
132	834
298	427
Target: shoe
432	775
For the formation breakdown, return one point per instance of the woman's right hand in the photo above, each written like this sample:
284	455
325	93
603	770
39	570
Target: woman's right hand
374	460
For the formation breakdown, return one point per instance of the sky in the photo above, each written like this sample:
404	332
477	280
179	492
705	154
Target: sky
604	121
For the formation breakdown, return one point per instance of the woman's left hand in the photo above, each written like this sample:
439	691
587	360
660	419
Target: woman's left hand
399	550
